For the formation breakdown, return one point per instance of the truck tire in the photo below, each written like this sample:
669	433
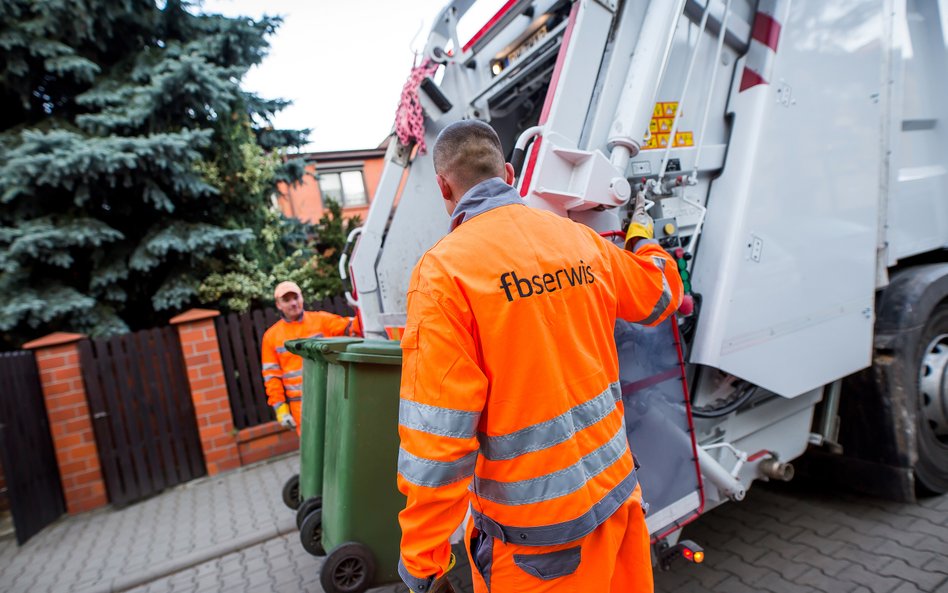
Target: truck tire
890	448
931	470
911	355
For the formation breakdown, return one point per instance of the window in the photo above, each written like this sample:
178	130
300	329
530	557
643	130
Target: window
345	187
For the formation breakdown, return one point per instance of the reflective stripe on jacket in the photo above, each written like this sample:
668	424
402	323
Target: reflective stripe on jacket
509	396
283	370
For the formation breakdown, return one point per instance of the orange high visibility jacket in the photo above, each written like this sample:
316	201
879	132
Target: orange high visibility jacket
283	370
509	395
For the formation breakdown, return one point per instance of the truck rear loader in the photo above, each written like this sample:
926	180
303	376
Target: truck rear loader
795	157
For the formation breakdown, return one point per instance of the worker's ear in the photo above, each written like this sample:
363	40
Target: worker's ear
444	186
447	193
509	173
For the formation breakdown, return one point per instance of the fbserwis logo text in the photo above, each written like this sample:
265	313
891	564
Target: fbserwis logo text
524	286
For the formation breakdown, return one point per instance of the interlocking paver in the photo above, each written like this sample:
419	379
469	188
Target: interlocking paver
736	585
747	552
868	542
789	571
934	529
926	580
821	581
749	573
910	588
931	544
856	573
825	563
781	585
872	562
938	563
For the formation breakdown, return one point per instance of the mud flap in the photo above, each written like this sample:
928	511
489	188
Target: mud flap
658	423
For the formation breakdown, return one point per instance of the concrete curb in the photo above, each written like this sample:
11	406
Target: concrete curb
164	569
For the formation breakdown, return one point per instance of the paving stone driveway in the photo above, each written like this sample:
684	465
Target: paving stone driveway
781	539
232	533
114	549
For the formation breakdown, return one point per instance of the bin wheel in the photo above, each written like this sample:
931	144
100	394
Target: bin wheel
349	568
291	492
306	507
311	532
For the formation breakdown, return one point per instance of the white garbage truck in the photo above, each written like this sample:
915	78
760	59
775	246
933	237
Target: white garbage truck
794	154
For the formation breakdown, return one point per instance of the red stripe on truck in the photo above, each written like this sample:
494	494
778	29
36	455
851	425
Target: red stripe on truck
766	30
489	25
548	101
750	79
558	68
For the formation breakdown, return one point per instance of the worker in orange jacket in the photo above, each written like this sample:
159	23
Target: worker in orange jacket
510	401
283	370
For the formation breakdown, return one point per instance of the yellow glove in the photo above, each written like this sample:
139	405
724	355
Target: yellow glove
284	417
642	226
442	584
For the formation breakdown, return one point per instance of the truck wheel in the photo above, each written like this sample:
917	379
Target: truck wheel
909	372
931	471
306	507
349	568
311	533
291	492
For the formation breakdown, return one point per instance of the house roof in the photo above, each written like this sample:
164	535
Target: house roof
340	155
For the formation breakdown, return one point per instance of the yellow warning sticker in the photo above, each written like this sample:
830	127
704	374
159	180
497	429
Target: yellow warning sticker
684	139
660	127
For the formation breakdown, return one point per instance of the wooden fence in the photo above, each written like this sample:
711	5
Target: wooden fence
26	448
240	336
143	417
131	415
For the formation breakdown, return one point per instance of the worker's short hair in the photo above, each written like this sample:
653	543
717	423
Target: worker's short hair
469	152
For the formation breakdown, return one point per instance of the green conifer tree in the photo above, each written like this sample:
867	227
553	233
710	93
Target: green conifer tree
131	162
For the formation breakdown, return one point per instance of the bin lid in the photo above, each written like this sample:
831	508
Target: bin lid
383	347
314	348
373	351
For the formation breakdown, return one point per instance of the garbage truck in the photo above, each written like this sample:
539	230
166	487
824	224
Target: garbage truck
794	157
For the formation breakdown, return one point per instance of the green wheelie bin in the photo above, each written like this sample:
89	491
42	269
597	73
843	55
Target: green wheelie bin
313	434
361	500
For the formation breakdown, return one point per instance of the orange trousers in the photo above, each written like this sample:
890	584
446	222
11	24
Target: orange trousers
615	558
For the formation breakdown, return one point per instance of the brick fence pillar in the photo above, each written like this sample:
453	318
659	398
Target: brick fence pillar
208	389
57	357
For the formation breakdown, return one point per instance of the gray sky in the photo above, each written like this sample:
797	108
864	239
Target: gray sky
343	63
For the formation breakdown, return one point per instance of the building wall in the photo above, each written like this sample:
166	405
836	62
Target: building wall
305	201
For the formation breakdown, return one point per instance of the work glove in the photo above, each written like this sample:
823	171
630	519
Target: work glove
284	417
642	226
442	584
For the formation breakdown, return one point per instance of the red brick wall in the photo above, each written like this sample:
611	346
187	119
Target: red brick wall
57	357
265	441
208	389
